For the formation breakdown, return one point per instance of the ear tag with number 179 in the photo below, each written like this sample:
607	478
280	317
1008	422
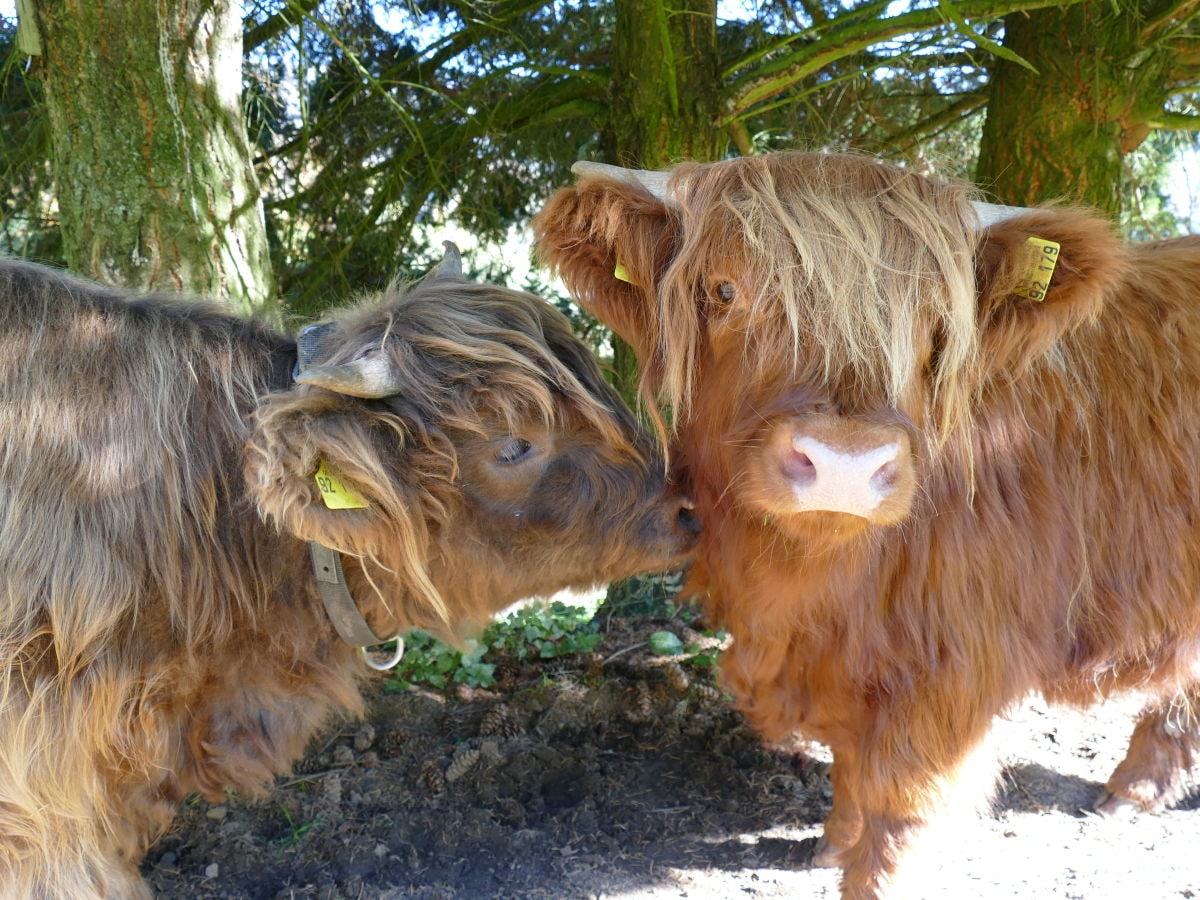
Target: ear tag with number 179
1043	257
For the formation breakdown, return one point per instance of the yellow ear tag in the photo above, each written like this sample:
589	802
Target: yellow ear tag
621	273
1043	257
335	494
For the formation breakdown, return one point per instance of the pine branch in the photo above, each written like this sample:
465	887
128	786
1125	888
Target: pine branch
1176	121
844	37
270	28
1177	14
905	140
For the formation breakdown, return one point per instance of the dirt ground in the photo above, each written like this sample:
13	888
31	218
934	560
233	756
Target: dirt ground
622	774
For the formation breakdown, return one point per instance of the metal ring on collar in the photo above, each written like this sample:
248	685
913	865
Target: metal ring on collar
385	665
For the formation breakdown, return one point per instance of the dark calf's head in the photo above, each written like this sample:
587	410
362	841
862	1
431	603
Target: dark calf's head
492	460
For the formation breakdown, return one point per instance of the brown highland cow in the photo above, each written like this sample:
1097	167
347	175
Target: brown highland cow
162	630
930	483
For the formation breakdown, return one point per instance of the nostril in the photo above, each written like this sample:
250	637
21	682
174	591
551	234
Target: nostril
800	469
884	480
688	523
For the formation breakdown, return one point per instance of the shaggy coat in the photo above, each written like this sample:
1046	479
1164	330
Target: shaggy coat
160	626
1016	505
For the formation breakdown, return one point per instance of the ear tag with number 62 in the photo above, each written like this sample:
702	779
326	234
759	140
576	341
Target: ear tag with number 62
335	494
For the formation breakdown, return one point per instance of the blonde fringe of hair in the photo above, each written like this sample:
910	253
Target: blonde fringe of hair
836	256
104	719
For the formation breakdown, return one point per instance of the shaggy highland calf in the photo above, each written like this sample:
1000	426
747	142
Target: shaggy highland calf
925	491
162	630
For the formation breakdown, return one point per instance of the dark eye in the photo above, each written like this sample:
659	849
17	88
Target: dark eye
514	451
724	292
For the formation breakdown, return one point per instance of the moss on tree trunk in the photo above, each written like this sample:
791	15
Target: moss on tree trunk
1062	132
665	90
665	109
665	102
154	181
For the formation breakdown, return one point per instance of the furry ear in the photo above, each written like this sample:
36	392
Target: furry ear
610	241
1015	326
296	433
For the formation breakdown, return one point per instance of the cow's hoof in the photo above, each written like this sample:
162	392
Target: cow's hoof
1115	806
826	856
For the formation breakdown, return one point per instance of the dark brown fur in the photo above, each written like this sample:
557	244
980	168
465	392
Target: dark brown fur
1052	542
160	630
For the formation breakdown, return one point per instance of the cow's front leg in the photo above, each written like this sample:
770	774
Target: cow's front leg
1164	747
887	817
902	769
869	866
843	826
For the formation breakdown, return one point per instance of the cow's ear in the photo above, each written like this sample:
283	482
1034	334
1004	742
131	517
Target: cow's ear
1039	276
324	468
360	480
610	241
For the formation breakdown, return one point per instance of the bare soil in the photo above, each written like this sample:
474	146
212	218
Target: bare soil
621	774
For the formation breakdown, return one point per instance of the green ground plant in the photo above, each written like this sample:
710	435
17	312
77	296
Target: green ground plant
532	632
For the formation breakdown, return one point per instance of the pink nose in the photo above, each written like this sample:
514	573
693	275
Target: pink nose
827	479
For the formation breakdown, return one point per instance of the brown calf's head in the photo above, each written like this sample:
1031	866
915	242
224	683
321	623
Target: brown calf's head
819	323
492	459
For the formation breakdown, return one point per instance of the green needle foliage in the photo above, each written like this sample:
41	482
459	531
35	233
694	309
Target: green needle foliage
374	126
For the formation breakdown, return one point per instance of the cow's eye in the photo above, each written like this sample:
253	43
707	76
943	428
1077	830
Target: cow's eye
514	451
724	292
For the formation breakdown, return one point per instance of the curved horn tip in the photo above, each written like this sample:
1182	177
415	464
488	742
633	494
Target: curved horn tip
451	264
368	378
656	183
990	214
583	167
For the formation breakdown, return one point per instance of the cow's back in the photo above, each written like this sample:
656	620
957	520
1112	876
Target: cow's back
128	556
123	425
1147	432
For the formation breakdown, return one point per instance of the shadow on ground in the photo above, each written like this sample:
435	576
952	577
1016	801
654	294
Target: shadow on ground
607	775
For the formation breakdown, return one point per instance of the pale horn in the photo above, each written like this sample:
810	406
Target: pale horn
657	184
372	375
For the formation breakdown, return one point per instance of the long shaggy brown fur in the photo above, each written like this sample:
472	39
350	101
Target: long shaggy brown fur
160	629
1052	541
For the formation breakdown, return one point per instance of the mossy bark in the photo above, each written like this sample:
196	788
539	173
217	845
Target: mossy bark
1061	133
665	108
154	180
666	88
665	102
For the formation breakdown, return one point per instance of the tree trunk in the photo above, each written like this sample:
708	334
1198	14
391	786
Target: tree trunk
155	186
664	109
1062	132
666	89
665	103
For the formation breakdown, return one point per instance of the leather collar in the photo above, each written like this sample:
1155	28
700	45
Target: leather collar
343	611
